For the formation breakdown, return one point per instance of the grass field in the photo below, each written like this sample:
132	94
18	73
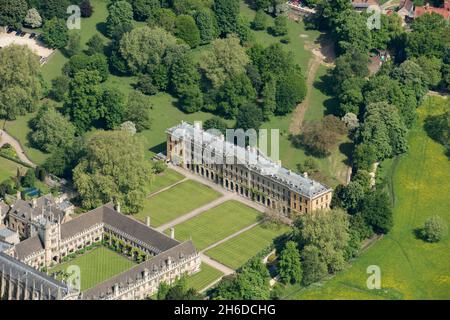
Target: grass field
163	180
20	129
238	250
204	277
8	169
97	266
179	200
216	224
410	267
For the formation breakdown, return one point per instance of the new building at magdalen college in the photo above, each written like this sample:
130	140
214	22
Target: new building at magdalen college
245	171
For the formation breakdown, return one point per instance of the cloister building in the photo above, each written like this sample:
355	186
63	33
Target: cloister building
168	258
245	171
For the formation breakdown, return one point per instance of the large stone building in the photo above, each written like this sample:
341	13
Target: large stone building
168	258
25	216
19	281
245	171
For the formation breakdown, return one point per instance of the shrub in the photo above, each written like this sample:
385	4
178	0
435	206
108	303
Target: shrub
434	230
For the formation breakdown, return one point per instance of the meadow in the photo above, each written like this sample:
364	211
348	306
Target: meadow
410	268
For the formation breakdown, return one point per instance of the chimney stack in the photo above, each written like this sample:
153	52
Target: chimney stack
34	203
305	174
147	221
18	196
118	206
172	233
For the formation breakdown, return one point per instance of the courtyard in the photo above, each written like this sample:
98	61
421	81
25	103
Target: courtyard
96	266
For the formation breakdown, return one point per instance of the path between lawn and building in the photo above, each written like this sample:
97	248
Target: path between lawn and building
218	188
7	138
213	263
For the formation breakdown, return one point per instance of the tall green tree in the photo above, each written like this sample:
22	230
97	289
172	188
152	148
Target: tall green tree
120	18
12	12
384	129
55	33
137	110
289	264
377	212
83	100
51	130
187	30
21	84
113	168
227	59
112	108
144	48
328	232
430	36
227	13
207	25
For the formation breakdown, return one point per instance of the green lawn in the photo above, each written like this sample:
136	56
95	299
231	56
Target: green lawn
175	202
97	266
20	129
216	224
238	250
410	267
8	168
204	277
163	180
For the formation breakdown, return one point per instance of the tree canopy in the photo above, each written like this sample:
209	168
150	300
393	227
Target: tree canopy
21	84
113	168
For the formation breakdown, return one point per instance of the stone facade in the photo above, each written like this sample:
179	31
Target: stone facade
25	216
261	180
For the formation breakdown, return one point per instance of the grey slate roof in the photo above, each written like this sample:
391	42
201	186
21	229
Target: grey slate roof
45	204
156	264
253	159
136	229
33	277
27	247
4	208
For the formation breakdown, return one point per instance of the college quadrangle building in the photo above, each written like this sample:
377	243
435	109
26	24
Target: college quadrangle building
245	171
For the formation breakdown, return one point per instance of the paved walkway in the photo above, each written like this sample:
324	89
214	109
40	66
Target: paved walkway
6	138
213	263
194	213
166	188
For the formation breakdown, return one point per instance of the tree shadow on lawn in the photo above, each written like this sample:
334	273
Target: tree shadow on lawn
101	27
325	86
158	148
346	148
435	126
